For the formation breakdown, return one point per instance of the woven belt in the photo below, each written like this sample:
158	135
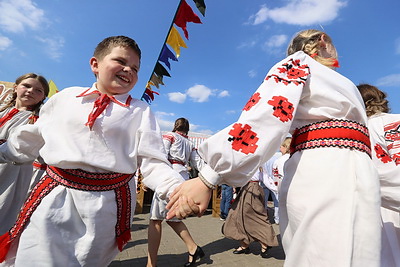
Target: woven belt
332	133
80	180
173	161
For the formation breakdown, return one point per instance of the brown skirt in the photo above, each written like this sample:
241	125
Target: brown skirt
247	220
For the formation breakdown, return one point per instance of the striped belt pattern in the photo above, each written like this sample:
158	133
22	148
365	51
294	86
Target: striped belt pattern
80	180
332	133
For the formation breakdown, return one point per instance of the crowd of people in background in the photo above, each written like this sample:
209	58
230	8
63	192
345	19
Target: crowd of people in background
67	177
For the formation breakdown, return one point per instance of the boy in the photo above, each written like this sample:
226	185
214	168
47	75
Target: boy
93	140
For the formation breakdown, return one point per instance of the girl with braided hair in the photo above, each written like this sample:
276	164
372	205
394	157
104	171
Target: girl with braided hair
329	199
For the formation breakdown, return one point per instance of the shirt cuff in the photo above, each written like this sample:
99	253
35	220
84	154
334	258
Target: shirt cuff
210	175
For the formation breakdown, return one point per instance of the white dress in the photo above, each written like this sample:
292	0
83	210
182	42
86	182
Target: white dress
73	227
329	199
180	152
385	139
14	178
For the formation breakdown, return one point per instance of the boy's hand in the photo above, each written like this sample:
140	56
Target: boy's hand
191	197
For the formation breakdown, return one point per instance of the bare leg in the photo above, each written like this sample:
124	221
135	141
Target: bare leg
154	239
182	231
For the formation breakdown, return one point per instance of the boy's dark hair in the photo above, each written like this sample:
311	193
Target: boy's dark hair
181	125
374	99
105	46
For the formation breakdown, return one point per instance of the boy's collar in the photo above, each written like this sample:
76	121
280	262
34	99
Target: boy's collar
122	100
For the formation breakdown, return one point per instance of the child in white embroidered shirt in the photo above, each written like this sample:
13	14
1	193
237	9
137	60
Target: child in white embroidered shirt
22	107
93	140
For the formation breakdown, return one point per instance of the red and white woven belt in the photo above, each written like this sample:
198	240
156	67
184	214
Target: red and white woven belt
80	180
332	133
174	161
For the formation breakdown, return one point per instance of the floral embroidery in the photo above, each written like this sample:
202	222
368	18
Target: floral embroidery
295	73
243	138
396	158
381	154
252	101
283	109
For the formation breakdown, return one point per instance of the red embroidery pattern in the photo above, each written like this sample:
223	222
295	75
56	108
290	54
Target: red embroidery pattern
252	101
381	154
331	133
283	109
80	180
291	72
396	158
169	137
243	138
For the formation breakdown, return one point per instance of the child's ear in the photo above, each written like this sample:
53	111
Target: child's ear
94	64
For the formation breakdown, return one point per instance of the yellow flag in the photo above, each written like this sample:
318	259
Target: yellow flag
53	88
175	41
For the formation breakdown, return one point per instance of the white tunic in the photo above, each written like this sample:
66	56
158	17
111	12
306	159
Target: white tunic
385	140
329	199
181	151
14	178
73	227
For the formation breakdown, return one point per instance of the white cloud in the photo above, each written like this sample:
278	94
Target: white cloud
4	43
276	41
199	93
249	44
177	97
390	80
53	46
252	73
397	46
223	93
17	15
300	12
231	111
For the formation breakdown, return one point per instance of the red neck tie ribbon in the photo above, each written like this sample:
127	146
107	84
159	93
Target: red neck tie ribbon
99	106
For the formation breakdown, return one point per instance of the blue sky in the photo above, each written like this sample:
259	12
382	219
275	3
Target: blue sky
226	58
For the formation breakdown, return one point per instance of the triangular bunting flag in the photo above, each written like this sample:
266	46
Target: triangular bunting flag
175	41
165	55
156	80
53	89
201	6
185	14
160	70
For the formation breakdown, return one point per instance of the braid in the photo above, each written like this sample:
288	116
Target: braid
308	41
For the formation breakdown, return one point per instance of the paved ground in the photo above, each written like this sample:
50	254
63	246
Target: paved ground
206	231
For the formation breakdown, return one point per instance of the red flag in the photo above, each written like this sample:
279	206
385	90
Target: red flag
185	14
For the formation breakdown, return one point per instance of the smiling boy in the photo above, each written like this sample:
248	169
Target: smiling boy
93	140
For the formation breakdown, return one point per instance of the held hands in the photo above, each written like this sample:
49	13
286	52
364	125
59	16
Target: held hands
191	197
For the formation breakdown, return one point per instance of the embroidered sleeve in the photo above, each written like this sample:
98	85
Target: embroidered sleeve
385	141
168	140
235	153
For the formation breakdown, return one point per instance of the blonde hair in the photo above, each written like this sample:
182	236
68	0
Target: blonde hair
374	99
286	144
309	41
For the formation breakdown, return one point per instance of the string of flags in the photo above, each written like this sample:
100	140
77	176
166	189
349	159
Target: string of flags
174	41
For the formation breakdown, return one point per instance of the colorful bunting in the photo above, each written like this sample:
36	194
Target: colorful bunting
183	15
165	55
201	6
53	89
156	80
160	70
175	41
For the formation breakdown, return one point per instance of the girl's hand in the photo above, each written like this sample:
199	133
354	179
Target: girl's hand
191	197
